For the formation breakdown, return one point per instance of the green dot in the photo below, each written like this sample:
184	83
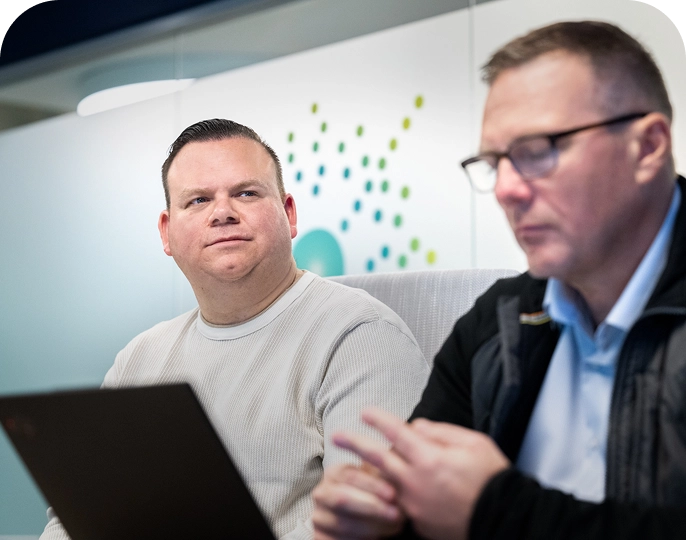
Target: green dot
393	144
314	108
291	157
398	220
360	131
323	127
405	192
291	137
431	257
365	161
418	102
402	261
406	123
382	163
368	186
414	244
384	186
315	146
341	147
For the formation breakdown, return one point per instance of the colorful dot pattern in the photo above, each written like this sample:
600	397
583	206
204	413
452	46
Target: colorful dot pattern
415	247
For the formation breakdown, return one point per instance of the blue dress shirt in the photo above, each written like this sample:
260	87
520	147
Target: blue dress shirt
566	441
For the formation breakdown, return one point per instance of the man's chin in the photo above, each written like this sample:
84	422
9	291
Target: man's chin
543	269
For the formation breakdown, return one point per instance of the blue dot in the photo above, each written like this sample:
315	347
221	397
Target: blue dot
370	265
298	176
346	172
357	206
385	252
315	190
321	170
344	225
377	215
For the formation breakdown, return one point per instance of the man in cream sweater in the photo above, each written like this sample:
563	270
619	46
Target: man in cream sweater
279	357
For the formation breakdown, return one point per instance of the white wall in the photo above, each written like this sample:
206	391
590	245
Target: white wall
82	270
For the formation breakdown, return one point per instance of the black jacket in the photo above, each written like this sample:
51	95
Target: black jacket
489	372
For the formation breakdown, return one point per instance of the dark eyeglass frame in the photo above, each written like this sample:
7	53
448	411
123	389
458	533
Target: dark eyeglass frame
551	137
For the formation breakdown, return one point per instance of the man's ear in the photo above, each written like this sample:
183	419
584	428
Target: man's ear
163	227
655	147
291	214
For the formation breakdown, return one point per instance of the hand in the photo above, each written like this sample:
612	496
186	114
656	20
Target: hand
439	470
355	502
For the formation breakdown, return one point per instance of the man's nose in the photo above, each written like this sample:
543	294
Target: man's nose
223	211
510	187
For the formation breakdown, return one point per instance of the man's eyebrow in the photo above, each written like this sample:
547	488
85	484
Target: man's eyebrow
188	192
245	184
250	183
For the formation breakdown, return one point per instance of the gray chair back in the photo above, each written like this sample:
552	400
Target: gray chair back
429	301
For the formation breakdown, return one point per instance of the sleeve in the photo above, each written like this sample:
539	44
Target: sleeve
54	529
448	394
514	506
376	363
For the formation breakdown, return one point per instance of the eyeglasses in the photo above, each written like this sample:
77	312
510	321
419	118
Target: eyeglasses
532	156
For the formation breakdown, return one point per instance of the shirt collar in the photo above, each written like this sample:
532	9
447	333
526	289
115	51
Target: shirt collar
566	306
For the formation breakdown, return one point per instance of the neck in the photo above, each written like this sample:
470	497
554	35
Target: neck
602	287
238	301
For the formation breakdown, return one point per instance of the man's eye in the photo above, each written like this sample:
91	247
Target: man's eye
198	200
247	194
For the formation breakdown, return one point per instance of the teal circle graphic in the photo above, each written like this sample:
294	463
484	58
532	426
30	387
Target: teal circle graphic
321	170
370	265
385	252
298	176
369	185
378	215
315	190
344	225
357	206
319	252
346	172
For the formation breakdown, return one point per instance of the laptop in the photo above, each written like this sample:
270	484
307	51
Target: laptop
134	463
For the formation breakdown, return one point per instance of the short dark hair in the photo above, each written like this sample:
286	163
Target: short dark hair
614	56
216	129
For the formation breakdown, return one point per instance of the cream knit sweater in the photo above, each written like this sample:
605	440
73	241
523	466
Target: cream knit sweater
277	386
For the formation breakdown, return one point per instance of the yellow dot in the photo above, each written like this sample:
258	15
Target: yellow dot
393	144
418	102
431	257
406	123
314	108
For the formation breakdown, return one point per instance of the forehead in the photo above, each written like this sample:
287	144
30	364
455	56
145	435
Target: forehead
236	159
553	92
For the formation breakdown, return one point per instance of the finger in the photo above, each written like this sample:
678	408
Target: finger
368	480
343	499
388	462
340	525
371	483
407	442
369	469
443	433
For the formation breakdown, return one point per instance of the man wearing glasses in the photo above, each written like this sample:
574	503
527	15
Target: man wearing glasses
557	407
